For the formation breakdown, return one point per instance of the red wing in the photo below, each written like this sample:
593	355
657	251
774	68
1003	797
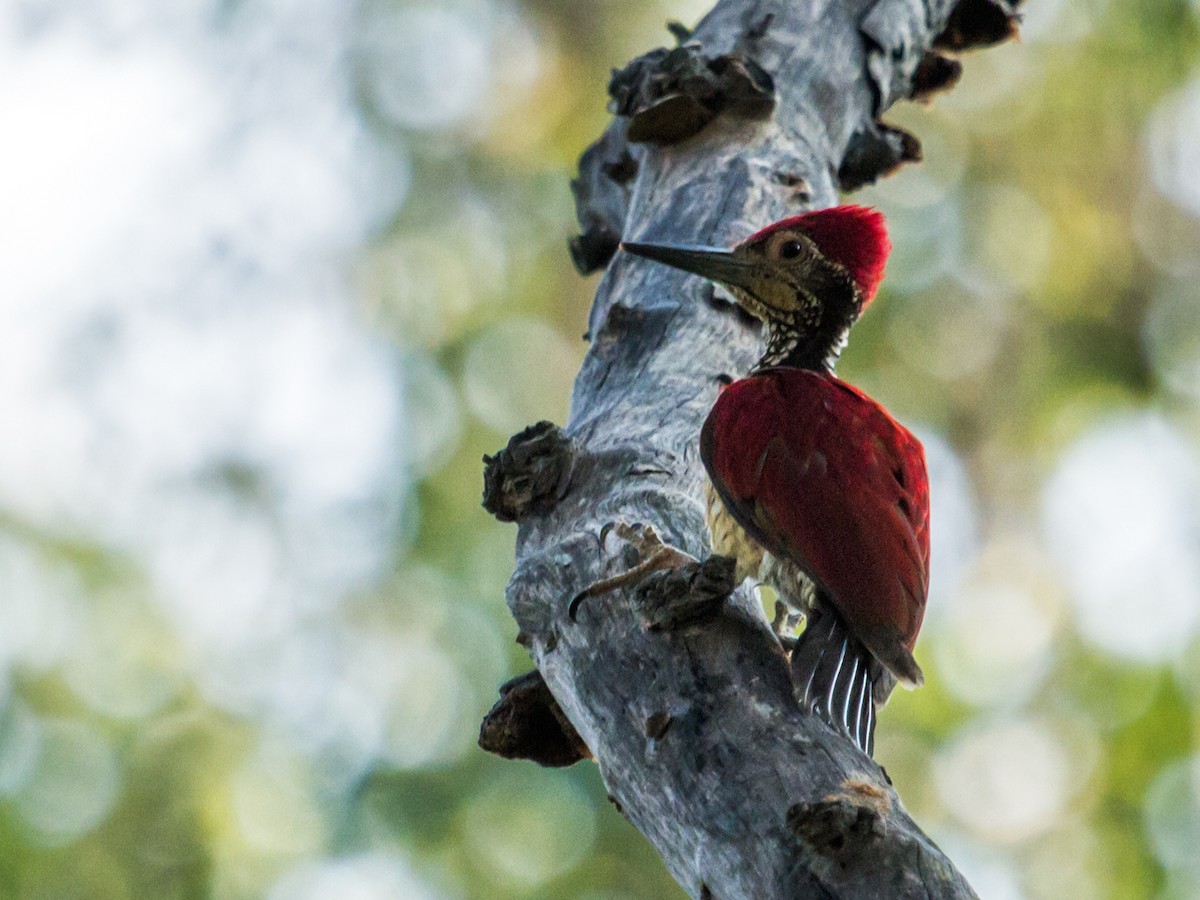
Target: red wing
821	475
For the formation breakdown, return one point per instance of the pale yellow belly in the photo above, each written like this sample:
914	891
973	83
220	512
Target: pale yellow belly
730	539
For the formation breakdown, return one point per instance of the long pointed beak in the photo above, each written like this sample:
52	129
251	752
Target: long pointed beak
711	262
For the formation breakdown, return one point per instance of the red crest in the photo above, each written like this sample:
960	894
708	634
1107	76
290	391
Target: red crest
854	237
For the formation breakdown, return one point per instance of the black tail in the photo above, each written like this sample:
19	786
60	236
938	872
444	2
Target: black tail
838	679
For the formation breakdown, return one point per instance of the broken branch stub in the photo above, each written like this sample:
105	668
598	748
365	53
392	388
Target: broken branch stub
527	723
669	95
674	598
528	476
935	74
601	193
979	23
875	152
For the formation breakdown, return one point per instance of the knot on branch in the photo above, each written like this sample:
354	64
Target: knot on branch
620	320
979	23
669	95
691	593
530	475
875	151
936	73
592	248
528	723
657	725
844	825
897	38
601	194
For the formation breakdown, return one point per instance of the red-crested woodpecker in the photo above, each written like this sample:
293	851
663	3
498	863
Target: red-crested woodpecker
813	487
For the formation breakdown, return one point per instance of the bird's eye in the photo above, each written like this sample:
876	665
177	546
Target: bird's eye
790	250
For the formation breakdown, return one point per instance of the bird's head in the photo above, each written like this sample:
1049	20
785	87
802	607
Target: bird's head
808	277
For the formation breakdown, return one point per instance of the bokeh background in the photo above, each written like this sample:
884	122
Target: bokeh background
274	275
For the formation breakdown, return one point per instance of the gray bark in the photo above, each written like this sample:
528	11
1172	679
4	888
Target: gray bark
693	722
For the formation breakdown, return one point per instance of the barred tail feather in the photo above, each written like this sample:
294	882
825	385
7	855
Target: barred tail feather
839	679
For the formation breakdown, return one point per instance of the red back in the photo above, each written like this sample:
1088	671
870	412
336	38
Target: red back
819	474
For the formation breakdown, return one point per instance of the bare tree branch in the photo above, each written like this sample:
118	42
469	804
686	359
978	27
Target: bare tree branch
686	704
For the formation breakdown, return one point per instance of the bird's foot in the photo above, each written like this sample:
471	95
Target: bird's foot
655	555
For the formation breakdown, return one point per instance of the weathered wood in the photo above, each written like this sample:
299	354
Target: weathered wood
694	725
527	723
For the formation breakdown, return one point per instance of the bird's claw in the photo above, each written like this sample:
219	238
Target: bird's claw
654	553
641	536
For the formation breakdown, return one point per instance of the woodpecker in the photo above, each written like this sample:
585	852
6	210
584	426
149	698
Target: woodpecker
813	488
